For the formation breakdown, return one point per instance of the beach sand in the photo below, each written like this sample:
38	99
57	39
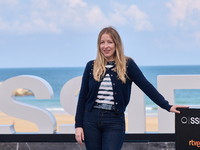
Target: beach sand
26	126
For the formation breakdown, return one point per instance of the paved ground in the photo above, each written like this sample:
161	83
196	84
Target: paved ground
75	146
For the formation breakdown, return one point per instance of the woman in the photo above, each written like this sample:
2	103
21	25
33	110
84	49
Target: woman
105	93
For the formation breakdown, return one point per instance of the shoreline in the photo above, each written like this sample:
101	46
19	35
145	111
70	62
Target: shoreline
63	117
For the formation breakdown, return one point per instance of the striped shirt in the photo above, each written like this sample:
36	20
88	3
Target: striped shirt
105	99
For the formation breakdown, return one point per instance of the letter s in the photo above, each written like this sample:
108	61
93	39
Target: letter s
192	120
197	120
69	102
44	119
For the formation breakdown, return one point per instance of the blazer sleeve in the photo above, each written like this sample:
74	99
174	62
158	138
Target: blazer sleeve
135	74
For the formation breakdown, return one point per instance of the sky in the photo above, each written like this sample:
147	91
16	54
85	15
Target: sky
63	33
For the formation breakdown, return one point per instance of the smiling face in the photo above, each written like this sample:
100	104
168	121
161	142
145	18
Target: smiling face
107	47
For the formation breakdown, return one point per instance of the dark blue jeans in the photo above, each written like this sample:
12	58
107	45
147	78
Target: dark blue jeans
103	130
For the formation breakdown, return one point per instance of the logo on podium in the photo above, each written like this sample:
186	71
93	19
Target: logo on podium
187	127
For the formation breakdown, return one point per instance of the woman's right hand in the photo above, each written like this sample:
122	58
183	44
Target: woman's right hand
79	135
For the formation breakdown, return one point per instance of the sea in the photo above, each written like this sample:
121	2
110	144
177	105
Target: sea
57	77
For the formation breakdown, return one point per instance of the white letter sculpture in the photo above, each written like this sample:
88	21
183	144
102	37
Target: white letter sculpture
166	86
136	111
44	119
69	102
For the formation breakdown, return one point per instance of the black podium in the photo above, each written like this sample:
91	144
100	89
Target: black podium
187	128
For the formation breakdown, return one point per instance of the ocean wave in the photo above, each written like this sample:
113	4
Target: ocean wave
151	108
55	109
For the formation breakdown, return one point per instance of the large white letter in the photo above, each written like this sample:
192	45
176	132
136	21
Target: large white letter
44	119
166	86
136	111
69	102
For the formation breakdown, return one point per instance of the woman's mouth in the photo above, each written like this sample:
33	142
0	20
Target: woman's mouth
106	51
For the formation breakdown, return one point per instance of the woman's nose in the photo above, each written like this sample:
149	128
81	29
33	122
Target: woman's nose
106	45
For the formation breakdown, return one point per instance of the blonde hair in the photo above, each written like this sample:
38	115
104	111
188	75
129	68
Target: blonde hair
120	59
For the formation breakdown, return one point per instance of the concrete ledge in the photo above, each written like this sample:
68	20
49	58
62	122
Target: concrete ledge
42	138
76	146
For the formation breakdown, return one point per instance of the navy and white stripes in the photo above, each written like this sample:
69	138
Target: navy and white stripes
105	99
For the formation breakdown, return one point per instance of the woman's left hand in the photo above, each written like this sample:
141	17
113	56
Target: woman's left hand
174	108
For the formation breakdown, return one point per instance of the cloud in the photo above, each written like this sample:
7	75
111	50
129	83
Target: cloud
124	15
79	15
96	16
140	18
10	2
23	18
48	16
184	13
185	16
